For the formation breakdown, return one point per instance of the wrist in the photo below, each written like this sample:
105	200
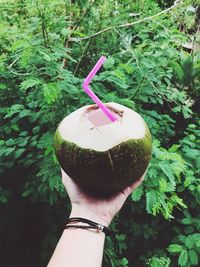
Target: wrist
80	211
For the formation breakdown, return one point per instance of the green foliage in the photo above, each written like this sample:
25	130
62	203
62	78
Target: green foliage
187	71
46	50
4	195
188	250
158	262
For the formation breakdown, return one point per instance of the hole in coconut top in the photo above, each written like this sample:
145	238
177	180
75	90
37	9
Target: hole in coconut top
97	117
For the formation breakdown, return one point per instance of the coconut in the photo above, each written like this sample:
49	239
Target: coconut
100	155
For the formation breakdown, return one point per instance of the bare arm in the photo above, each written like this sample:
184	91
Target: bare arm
81	247
78	248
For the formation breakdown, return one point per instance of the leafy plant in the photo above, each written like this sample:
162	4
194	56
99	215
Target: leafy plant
187	249
46	49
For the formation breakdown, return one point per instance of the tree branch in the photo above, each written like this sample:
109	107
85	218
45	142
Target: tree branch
67	40
83	54
84	15
177	3
14	72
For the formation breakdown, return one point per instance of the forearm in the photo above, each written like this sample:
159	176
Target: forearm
79	247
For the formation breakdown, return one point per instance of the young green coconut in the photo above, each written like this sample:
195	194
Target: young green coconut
103	156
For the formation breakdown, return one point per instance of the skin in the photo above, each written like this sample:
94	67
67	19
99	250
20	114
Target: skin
80	247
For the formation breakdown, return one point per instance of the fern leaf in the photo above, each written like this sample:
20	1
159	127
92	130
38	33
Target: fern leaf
137	193
26	56
164	186
151	200
175	248
183	258
189	242
28	83
109	63
166	211
179	72
165	167
193	256
177	201
51	92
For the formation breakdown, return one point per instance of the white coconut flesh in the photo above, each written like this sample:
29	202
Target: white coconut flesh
88	127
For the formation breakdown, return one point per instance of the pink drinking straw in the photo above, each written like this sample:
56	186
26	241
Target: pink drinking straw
86	88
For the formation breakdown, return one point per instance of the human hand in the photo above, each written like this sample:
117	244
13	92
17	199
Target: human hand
101	210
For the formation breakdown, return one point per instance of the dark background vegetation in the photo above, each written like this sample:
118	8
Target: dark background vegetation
152	47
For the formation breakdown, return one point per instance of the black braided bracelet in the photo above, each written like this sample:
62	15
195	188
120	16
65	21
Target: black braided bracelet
92	225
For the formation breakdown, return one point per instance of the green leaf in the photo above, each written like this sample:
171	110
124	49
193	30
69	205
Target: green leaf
175	248
198	243
183	258
52	182
30	82
18	44
151	200
65	32
7	152
24	113
177	109
149	63
51	92
165	167
10	142
2	142
189	242
186	221
2	86
27	192
26	56
137	193
187	112
3	198
193	256
24	142
174	148
109	63
178	71
127	102
192	153
46	56
159	262
36	130
124	262
163	185
19	152
13	110
114	78
177	200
